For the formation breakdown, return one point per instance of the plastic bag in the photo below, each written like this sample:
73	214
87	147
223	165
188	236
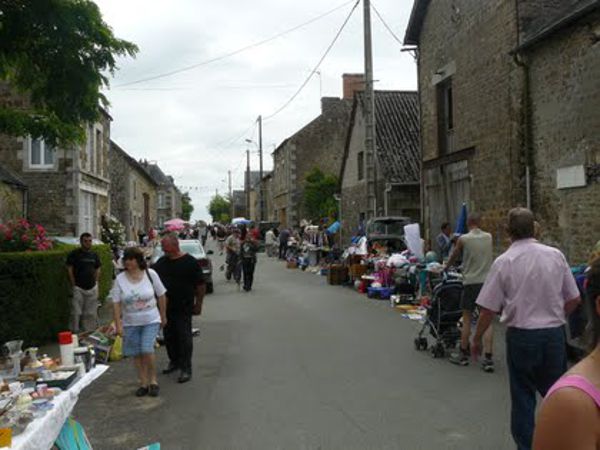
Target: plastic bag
116	352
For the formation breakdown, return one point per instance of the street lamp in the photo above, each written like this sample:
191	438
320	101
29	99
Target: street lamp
260	171
338	198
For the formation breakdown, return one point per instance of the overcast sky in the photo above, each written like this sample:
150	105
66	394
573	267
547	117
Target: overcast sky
188	122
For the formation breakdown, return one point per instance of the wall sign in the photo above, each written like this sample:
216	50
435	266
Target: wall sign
570	177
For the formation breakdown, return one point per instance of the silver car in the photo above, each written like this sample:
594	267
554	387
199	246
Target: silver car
194	248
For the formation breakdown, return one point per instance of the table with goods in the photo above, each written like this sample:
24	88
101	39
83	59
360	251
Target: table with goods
38	393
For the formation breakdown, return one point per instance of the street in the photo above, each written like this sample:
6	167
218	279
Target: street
298	364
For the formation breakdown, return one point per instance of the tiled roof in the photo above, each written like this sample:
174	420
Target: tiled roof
397	129
6	176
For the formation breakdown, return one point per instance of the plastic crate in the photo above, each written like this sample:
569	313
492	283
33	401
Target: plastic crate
383	293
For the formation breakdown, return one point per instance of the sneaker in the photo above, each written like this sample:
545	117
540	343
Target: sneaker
153	390
184	377
141	391
487	365
460	358
170	369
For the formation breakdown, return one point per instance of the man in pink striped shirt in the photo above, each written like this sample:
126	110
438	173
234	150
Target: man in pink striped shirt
531	285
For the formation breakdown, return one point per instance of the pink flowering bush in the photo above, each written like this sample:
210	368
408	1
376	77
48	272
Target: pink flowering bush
21	236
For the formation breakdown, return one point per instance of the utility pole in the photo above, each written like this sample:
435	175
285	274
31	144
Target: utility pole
230	194
261	195
370	143
247	184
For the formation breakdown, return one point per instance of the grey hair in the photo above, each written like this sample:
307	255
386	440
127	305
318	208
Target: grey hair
521	224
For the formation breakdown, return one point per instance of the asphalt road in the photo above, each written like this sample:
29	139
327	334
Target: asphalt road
298	364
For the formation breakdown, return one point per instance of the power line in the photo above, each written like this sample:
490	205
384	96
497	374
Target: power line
232	139
386	25
235	52
316	68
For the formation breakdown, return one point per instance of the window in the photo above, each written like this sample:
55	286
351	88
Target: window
90	148
445	113
361	165
161	200
134	190
41	155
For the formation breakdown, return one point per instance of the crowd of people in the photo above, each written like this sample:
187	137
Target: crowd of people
530	286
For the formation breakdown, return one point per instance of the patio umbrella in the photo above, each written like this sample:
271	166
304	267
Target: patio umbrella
175	224
240	221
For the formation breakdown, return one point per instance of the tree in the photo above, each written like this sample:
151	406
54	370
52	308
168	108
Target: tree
319	192
58	54
186	206
219	208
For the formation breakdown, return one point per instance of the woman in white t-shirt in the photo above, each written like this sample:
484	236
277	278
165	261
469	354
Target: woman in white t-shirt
140	311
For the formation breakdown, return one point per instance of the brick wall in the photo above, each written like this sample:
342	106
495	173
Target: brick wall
565	93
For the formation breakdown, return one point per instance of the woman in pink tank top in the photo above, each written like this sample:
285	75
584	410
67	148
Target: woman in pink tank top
570	415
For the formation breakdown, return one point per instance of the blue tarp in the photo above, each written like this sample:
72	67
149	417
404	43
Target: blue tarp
334	227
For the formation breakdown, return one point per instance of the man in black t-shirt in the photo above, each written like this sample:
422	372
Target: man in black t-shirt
83	267
183	277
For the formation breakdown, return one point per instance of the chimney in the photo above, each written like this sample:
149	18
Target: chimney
353	82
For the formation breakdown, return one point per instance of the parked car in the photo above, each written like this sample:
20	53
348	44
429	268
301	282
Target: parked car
194	248
389	231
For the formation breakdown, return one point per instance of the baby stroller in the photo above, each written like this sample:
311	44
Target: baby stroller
442	318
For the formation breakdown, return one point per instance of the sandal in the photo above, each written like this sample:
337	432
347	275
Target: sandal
142	391
153	390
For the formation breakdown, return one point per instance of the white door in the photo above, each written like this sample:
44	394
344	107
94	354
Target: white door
87	213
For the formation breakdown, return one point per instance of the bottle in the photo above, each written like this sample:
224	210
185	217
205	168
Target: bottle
65	340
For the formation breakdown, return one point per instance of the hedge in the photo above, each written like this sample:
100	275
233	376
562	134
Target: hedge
35	293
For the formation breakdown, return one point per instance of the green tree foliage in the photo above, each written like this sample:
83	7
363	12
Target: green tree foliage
59	54
219	208
186	206
319	194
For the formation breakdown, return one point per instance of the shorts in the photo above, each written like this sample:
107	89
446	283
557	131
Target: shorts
469	297
139	340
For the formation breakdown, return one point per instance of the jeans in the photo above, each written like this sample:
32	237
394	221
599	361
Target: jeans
536	360
233	267
283	248
179	341
248	265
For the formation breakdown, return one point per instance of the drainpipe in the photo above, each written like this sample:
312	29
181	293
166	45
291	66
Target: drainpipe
525	118
386	193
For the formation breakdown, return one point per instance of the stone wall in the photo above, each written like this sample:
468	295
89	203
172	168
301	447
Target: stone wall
119	192
472	45
564	75
321	144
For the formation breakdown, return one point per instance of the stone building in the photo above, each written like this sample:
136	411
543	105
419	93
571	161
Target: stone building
67	188
133	194
320	144
509	95
168	196
13	196
397	162
239	204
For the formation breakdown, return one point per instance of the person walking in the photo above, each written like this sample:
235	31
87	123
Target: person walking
249	248
83	268
186	285
476	250
270	242
232	256
569	418
139	309
531	285
284	237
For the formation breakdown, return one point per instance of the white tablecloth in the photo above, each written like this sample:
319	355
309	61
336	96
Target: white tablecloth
42	432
